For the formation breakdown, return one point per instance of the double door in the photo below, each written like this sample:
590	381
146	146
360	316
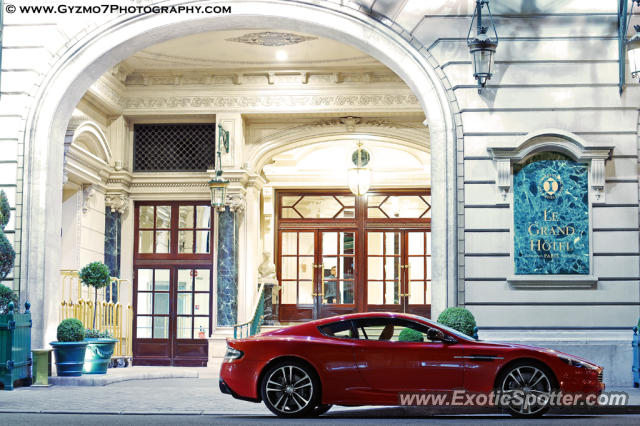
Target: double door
172	323
318	271
326	272
399	271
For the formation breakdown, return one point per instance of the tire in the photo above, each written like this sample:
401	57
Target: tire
529	380
321	409
291	389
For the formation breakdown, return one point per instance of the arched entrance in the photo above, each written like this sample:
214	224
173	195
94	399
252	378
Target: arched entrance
90	56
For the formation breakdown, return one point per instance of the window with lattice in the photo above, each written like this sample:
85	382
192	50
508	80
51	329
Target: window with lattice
173	147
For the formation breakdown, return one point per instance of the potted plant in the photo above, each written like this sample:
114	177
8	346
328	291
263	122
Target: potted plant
100	344
459	319
100	348
70	348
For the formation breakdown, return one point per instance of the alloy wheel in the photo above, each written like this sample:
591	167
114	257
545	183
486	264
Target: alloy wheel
289	390
533	387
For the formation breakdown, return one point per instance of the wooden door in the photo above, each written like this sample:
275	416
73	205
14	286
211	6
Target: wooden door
172	283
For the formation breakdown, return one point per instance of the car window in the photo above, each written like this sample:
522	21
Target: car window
342	329
391	329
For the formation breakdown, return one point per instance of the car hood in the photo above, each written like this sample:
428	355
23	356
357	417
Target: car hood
547	351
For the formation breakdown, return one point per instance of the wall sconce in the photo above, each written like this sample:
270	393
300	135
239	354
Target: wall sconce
218	185
359	177
482	47
627	48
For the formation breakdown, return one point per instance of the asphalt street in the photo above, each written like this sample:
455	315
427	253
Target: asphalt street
354	417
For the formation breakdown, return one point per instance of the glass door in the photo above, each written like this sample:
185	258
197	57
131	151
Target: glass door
297	275
172	283
384	267
399	271
336	279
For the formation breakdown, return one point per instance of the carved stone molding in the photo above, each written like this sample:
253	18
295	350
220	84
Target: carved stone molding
88	192
117	202
236	202
271	38
244	103
552	140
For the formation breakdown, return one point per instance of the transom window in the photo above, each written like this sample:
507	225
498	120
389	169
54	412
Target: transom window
174	228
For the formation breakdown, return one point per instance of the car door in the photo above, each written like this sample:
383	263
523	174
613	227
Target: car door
389	363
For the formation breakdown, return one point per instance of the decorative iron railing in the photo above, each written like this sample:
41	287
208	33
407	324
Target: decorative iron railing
77	301
252	327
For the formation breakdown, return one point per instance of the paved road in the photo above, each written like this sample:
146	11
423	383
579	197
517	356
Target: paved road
356	418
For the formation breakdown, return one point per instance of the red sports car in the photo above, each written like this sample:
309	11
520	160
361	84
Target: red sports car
379	358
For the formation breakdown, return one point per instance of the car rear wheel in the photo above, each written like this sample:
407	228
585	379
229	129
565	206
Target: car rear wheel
290	389
528	387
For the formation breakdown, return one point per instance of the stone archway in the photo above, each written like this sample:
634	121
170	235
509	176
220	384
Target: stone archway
93	52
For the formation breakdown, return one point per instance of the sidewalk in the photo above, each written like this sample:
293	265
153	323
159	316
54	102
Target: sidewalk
200	395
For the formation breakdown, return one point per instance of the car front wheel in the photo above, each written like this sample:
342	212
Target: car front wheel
290	389
527	389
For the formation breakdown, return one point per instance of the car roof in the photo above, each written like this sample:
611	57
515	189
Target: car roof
367	315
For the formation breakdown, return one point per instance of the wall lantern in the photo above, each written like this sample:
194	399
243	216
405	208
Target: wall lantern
218	185
482	47
628	49
359	176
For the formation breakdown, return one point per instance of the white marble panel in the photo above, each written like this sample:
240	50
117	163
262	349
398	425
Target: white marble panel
615	242
487	267
615	266
490	218
621	192
615	217
487	242
479	170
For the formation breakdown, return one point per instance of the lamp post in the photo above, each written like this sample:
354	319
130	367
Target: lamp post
218	185
482	47
359	177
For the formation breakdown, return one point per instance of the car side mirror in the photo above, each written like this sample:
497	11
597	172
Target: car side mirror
435	335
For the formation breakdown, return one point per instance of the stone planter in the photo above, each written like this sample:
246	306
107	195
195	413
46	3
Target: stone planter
98	355
69	357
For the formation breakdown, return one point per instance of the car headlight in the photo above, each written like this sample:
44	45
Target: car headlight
573	362
232	354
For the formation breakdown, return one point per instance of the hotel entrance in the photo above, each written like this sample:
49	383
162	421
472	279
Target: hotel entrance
339	253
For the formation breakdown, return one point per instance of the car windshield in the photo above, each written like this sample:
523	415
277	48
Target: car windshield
447	329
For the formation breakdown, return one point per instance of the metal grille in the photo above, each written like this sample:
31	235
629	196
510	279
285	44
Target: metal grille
173	147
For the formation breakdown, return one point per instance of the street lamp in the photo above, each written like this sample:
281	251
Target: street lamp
482	47
218	185
359	177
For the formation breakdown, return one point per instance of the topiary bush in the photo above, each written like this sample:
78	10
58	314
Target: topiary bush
70	330
5	210
90	333
7	296
7	256
96	275
410	335
459	319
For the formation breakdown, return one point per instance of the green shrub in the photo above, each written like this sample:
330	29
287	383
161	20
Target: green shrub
7	256
5	210
70	330
96	275
6	296
90	333
410	335
459	319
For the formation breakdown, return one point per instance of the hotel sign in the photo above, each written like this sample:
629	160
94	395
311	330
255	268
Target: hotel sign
551	218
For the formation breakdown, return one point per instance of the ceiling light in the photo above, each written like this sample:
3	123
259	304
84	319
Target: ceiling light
281	55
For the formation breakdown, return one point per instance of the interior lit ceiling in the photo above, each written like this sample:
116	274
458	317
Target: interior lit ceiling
250	49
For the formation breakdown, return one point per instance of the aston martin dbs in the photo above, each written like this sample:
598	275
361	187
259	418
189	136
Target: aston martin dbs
374	358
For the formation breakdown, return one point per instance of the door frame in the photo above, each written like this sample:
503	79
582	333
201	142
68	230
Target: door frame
172	261
360	224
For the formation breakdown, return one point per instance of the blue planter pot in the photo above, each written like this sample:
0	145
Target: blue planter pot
98	355
69	357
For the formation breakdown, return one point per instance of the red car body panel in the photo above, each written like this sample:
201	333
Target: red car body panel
373	372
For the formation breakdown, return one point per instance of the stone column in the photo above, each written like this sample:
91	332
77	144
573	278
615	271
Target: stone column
227	268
